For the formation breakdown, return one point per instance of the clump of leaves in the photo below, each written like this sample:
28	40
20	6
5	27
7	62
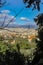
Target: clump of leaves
35	3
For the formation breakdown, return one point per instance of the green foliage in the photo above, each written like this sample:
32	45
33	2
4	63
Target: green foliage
24	43
5	46
24	46
21	45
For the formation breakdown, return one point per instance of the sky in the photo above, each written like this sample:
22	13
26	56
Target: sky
25	16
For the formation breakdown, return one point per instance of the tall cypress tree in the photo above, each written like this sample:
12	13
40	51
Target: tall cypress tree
38	59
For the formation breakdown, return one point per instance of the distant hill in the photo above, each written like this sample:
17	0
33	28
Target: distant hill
23	26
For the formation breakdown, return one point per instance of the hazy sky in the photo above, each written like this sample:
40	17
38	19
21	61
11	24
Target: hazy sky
17	5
